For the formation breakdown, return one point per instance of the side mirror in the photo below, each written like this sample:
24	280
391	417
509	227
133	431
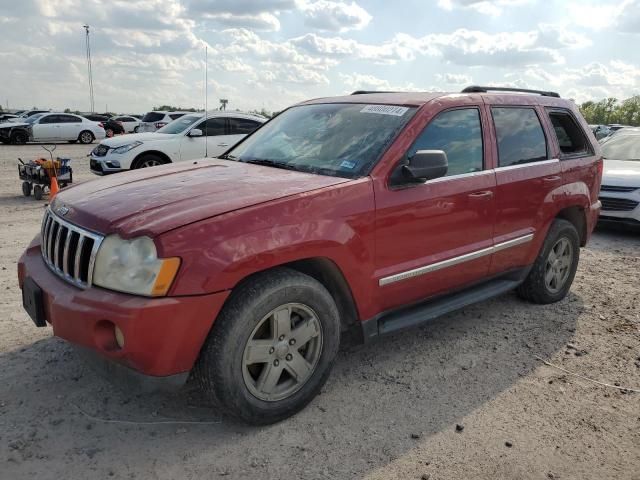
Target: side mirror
194	132
426	165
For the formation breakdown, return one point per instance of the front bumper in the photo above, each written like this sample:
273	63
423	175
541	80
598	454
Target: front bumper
620	207
162	336
103	166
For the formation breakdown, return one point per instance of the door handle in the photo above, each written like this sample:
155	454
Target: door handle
481	195
223	144
552	178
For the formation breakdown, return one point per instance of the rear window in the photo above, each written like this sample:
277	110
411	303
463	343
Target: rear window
175	116
153	117
571	138
520	136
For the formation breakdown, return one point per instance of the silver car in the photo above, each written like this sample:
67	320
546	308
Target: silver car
620	190
153	121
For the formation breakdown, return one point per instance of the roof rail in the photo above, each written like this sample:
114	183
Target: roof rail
478	89
364	92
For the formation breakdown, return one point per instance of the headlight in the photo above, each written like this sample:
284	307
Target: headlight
126	148
133	266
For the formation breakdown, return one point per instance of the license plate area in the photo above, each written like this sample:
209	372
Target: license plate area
33	302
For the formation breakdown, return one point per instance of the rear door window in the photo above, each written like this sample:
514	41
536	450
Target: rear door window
520	136
571	139
459	134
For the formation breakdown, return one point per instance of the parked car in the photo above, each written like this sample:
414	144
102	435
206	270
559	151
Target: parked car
182	139
620	190
5	117
51	127
110	124
617	126
153	121
373	212
600	131
26	114
130	123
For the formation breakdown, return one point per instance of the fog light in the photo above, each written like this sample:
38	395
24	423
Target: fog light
119	337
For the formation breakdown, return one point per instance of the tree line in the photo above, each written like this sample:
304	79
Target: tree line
611	110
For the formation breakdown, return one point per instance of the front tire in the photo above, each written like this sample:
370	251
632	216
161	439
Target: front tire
19	138
86	137
148	160
272	347
553	272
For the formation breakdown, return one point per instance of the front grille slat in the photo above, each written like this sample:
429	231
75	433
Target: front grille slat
69	250
618	204
615	188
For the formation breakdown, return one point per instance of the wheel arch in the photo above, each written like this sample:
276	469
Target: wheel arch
160	154
577	216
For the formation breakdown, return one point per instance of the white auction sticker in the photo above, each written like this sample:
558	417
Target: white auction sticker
385	110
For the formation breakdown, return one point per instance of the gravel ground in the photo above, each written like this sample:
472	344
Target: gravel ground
465	397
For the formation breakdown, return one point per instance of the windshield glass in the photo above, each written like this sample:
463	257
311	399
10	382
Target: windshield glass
33	118
179	125
622	147
343	140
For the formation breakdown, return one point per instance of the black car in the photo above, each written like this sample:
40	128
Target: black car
111	127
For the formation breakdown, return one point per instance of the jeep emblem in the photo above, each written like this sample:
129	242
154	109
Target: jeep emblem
62	211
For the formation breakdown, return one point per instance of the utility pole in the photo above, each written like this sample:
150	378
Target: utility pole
89	70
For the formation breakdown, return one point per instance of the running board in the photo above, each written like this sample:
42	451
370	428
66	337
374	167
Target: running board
419	314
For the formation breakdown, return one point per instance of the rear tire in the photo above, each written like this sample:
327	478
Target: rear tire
86	137
148	160
272	347
553	272
135	129
26	189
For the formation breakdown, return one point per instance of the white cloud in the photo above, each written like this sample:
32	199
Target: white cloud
454	79
488	7
260	21
334	16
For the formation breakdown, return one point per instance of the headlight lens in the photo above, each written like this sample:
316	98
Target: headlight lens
133	266
126	148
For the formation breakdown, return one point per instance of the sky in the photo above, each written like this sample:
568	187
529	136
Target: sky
273	53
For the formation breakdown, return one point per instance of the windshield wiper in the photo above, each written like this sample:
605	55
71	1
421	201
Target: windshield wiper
270	163
228	156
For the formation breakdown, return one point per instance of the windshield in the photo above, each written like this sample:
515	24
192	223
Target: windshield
344	140
179	125
33	118
622	147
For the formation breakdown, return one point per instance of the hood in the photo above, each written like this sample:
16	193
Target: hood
621	173
151	201
13	124
136	137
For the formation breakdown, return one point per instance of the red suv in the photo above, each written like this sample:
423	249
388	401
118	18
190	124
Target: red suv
374	211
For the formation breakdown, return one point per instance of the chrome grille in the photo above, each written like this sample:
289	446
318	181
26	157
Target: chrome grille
68	250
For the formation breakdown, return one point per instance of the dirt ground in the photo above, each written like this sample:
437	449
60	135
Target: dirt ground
389	410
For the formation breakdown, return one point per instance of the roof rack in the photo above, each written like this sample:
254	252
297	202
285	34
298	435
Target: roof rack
364	92
478	89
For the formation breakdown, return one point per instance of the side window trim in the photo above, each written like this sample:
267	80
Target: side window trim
549	158
569	156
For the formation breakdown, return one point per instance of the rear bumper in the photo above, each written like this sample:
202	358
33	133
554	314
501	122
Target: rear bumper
162	336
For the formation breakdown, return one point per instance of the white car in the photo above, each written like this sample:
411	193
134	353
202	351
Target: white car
620	190
51	127
129	123
153	121
184	139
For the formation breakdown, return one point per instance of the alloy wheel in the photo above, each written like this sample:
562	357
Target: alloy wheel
150	163
558	265
282	352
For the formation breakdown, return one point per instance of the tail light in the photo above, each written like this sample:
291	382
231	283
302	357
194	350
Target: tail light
160	124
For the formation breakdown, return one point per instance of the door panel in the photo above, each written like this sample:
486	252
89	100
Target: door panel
45	131
525	191
437	236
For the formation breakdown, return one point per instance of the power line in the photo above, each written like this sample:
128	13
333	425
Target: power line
89	69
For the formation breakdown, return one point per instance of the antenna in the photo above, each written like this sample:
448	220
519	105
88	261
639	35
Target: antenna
206	96
89	69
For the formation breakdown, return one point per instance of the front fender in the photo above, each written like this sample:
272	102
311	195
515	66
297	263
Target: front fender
336	223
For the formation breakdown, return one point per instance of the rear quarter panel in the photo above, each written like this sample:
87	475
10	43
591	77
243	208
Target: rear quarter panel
336	223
